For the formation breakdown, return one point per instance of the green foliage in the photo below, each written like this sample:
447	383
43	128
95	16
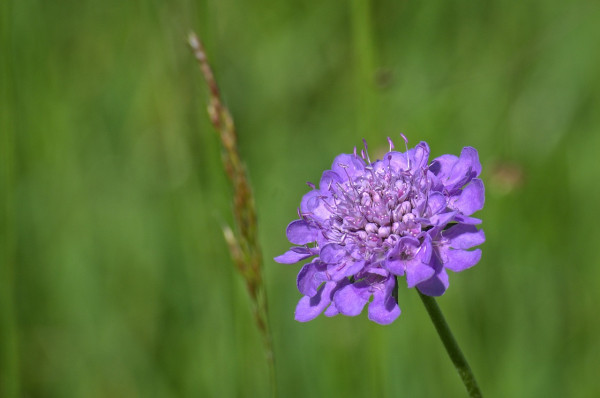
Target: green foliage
115	279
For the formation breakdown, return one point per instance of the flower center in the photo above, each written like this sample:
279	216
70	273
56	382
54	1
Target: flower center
374	211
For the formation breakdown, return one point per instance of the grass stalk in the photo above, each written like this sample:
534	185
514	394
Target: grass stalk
243	238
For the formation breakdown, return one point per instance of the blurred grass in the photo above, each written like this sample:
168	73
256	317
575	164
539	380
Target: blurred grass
115	279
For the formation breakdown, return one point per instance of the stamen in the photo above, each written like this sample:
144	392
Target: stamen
349	181
366	150
406	146
343	239
391	143
405	140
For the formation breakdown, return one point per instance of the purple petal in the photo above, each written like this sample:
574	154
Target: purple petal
413	258
313	204
299	232
331	310
434	181
469	159
437	284
466	168
379	166
332	253
467	220
353	267
294	255
343	269
395	266
351	299
419	156
348	165
418	273
459	260
384	309
309	308
436	202
395	263
329	178
441	166
463	236
377	274
397	161
306	281
471	199
418	269
440	220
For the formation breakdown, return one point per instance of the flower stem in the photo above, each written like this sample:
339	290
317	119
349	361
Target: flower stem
452	348
9	328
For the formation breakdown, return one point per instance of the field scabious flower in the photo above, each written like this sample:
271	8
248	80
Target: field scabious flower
368	223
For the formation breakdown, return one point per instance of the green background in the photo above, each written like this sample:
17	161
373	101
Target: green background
115	280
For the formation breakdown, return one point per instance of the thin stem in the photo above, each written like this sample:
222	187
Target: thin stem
9	327
243	238
452	348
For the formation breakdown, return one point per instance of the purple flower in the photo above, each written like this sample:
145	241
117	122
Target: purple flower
369	223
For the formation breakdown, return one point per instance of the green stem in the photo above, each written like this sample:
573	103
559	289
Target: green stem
456	355
9	328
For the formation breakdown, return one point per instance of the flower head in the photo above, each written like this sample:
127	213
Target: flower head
368	223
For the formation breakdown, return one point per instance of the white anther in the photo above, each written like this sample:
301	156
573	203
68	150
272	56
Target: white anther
371	228
384	232
408	217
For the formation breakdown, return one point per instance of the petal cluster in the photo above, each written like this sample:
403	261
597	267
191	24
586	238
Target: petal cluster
368	223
